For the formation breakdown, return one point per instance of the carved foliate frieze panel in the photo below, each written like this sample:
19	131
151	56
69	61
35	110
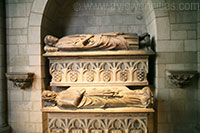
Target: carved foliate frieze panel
112	71
136	124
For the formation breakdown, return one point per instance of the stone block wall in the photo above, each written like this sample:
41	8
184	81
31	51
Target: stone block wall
176	50
92	17
24	55
177	45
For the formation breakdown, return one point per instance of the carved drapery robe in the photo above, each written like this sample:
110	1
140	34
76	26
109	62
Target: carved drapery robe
103	41
101	98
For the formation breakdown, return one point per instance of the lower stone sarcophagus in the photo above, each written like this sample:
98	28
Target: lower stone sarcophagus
89	89
98	122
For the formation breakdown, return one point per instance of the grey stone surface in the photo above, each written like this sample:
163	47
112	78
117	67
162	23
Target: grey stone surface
8	23
161	12
38	6
163	117
161	70
190	45
106	29
198	26
178	35
15	95
14	32
16	10
35	19
150	16
35	60
19	22
186	57
76	29
18	1
163	95
92	30
181	26
34	34
22	49
165	128
161	84
13	49
19	39
170	46
192	34
32	95
137	29
172	16
160	28
166	58
151	28
33	49
97	18
18	60
121	28
186	17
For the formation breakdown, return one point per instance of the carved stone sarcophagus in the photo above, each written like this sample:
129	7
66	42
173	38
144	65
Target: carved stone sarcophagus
108	68
89	85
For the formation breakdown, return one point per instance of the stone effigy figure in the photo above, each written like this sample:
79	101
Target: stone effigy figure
100	98
102	41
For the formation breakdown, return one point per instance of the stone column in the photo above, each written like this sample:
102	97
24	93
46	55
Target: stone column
4	128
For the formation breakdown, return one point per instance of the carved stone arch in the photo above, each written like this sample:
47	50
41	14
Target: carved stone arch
39	6
141	65
97	124
77	123
57	124
141	124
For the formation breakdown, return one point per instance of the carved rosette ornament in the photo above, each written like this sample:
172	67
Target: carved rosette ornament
73	75
90	74
140	75
124	76
106	76
57	76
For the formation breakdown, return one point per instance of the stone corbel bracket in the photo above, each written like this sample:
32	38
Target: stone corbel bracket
181	78
21	80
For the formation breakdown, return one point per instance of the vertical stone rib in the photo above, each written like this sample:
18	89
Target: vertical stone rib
126	130
4	128
106	131
86	130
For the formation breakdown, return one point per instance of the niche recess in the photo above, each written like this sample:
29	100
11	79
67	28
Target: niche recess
63	18
69	17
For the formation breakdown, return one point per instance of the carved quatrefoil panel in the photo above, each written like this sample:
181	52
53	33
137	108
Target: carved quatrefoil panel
126	72
98	125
